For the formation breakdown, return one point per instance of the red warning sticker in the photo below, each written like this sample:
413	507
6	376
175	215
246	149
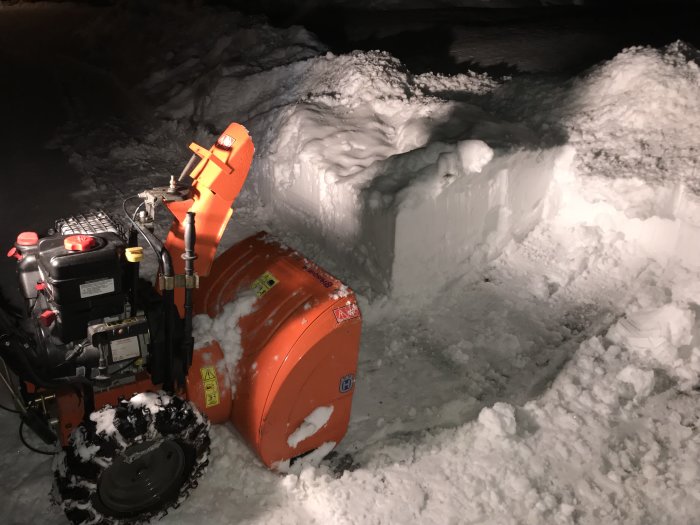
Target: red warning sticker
347	312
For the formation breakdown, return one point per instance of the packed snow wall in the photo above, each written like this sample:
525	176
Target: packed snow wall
414	221
461	214
369	162
405	179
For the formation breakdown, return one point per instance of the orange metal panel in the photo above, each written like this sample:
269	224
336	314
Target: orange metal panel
298	345
311	376
70	406
217	181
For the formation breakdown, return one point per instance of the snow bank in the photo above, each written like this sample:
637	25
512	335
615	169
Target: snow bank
416	190
433	182
635	116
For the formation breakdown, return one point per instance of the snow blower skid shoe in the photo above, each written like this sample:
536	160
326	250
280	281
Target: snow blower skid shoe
108	367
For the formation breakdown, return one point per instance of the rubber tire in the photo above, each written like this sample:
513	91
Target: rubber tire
91	450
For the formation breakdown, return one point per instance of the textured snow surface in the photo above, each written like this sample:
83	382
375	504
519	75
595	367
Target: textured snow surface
370	161
544	365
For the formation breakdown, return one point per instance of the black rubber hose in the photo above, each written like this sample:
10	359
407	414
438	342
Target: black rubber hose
24	442
3	407
157	245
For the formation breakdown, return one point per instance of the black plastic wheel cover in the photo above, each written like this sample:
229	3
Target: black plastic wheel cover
151	473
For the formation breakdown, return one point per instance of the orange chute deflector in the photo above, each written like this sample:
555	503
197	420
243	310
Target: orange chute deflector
299	346
218	179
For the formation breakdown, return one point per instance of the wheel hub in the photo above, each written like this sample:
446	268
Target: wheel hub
149	474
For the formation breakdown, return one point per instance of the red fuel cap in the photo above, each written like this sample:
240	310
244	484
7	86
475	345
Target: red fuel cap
47	317
27	239
79	243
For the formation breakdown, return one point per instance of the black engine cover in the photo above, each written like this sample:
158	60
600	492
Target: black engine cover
82	286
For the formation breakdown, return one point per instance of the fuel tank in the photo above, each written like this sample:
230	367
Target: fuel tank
291	390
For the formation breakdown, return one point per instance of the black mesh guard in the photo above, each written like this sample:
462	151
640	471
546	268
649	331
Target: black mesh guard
92	222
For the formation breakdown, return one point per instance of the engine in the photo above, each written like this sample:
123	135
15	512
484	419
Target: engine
79	288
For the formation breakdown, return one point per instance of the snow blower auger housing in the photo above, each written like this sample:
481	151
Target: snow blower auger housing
107	364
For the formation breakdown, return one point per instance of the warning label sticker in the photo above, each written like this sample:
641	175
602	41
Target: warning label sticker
99	287
127	348
264	284
211	386
347	312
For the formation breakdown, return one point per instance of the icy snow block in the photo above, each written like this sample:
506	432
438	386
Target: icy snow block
413	221
438	213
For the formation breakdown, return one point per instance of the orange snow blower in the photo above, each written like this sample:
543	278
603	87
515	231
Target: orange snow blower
108	365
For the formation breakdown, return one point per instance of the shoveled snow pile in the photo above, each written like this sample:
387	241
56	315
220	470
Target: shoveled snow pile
599	297
633	116
432	172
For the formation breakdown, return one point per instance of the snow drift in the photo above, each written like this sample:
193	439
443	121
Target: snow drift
434	182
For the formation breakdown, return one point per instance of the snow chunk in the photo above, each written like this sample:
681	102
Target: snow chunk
646	330
313	459
149	400
311	424
498	420
104	421
641	380
663	336
474	155
655	333
226	331
85	452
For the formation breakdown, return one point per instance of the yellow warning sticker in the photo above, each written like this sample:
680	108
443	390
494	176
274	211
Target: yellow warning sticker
211	386
264	284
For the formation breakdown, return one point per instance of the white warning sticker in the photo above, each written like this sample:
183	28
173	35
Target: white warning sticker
99	287
127	348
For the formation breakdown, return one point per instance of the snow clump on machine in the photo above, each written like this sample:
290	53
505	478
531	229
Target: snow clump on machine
225	330
311	424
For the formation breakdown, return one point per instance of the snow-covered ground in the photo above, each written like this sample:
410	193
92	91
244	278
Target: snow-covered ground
525	250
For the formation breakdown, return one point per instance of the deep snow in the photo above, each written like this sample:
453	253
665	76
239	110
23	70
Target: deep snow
530	350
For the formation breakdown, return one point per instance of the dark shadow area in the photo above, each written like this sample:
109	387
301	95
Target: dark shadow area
51	79
558	39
